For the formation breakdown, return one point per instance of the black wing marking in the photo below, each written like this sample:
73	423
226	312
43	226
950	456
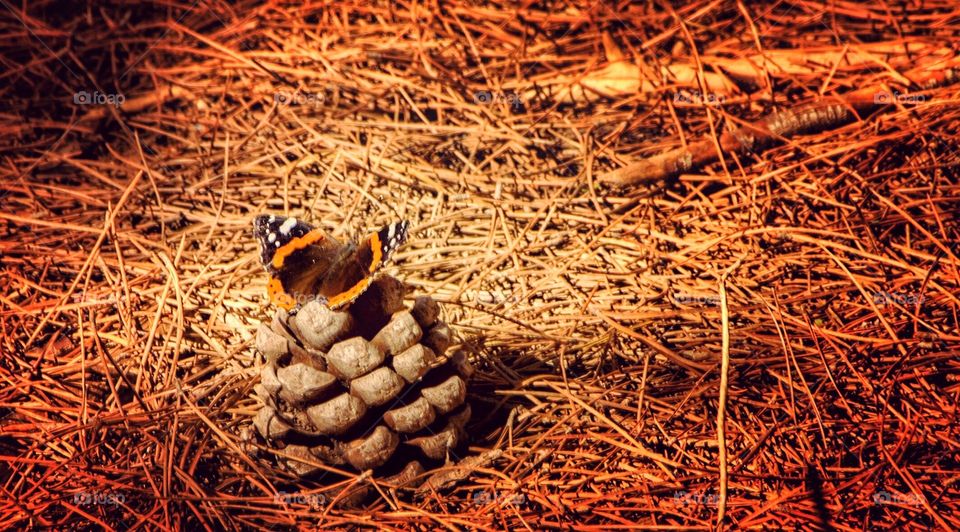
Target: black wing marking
274	232
390	238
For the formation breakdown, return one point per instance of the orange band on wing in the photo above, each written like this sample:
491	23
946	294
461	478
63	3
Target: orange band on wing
357	289
297	243
377	248
350	294
278	296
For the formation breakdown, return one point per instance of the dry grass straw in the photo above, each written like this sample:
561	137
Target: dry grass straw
130	291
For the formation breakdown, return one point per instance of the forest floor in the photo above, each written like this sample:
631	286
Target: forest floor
765	339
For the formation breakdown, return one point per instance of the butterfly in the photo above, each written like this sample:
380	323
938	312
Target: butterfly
305	263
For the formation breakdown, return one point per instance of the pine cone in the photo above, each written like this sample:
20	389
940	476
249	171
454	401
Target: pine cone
362	386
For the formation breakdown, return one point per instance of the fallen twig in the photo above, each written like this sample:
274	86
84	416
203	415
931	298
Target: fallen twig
819	116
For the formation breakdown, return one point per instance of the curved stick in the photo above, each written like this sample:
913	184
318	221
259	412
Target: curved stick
757	136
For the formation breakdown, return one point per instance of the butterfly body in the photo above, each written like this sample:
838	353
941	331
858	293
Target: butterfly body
306	263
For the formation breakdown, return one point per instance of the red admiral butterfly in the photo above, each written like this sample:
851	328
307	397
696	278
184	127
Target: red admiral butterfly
305	262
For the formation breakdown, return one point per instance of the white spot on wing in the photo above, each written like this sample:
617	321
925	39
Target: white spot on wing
271	237
287	225
393	229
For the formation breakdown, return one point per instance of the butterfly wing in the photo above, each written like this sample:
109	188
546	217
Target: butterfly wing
353	272
296	255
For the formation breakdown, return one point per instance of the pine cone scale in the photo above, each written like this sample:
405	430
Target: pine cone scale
365	386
